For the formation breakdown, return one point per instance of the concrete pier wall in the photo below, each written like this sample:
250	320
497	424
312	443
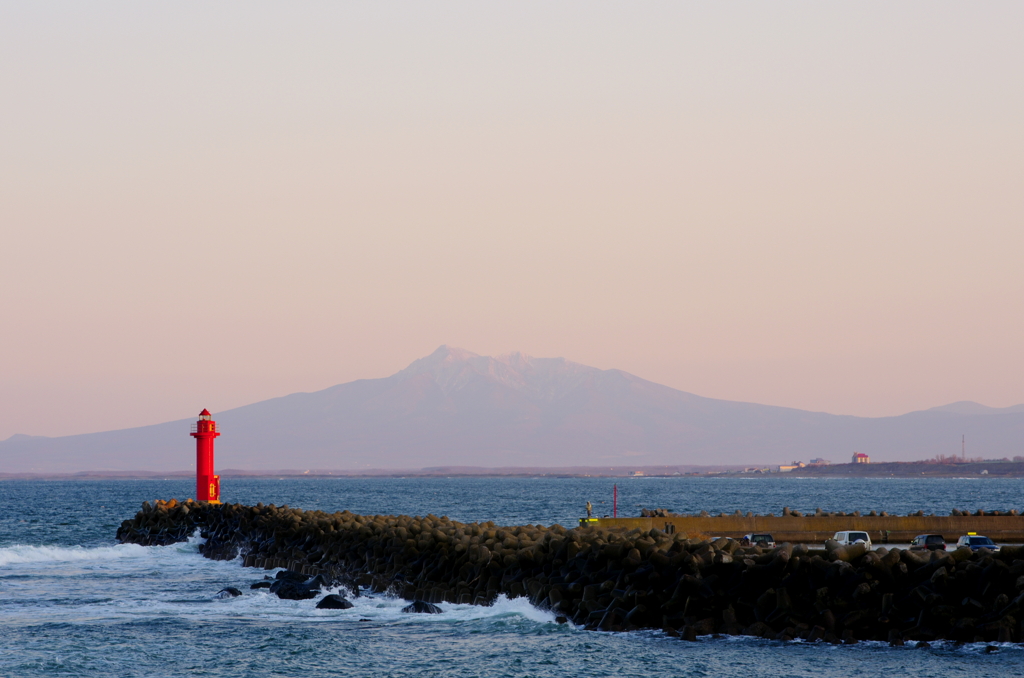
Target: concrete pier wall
816	529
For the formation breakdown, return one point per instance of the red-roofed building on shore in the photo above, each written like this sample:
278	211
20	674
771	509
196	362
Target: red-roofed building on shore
861	458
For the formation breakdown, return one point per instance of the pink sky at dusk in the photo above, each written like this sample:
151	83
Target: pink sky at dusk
802	204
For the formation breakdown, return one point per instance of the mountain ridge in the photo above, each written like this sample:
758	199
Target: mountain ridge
457	408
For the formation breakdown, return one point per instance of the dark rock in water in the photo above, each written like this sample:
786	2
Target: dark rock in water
228	592
296	593
261	585
288	575
289	589
423	608
333	602
293	586
560	619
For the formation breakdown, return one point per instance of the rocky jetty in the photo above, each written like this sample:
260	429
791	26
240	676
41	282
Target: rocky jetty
617	580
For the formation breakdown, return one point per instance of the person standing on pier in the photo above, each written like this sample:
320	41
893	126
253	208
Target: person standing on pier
590	509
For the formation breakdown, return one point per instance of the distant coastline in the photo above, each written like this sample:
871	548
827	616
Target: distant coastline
915	469
909	469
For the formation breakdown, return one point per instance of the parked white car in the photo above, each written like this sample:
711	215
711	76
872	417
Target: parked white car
762	539
853	537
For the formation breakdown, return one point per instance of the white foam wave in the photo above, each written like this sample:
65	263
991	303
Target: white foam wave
382	608
18	554
131	582
519	607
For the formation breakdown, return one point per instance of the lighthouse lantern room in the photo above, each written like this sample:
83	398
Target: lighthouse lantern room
207	484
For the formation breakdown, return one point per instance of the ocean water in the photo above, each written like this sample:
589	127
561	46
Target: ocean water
74	603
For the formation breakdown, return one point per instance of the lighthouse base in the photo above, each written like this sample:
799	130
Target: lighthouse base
208	488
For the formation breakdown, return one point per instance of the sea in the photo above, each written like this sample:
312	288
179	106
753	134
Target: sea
73	602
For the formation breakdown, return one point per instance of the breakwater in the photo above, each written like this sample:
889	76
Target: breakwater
620	579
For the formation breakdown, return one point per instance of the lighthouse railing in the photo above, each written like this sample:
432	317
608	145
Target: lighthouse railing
210	427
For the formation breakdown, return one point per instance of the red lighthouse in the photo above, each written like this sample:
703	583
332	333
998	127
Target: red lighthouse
207	484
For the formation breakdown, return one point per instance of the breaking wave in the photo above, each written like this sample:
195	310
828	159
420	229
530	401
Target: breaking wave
20	554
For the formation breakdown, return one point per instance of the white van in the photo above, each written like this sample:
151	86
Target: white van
853	537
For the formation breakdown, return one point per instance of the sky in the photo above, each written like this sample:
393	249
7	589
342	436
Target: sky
814	205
